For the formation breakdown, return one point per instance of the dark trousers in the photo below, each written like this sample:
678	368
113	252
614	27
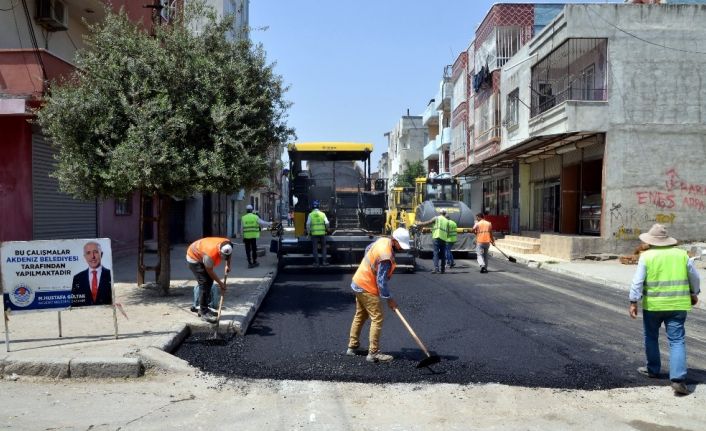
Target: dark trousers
251	249
205	282
439	254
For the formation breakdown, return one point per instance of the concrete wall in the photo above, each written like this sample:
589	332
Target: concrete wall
656	140
406	143
123	230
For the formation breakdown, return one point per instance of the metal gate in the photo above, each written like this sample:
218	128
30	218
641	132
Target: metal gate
56	215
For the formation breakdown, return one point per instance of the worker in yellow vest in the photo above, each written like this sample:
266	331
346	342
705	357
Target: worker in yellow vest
250	224
203	256
669	285
451	237
439	236
316	226
484	237
370	286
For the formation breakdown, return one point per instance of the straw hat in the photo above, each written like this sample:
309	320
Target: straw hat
657	235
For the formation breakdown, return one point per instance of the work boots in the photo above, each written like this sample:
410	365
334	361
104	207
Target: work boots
378	357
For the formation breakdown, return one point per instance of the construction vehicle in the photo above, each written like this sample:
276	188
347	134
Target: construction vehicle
431	195
337	175
401	209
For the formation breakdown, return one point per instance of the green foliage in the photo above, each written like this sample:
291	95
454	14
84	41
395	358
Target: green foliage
409	173
177	112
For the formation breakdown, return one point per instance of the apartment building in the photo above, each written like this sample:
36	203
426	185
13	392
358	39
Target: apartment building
405	143
38	40
591	126
437	119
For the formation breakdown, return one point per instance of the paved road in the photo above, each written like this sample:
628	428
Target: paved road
515	326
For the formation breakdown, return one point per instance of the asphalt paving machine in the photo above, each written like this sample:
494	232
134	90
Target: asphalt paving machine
337	175
431	195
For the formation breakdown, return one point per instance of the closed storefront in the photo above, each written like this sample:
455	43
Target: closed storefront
56	215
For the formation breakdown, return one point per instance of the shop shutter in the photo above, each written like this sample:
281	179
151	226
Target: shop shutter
571	158
537	171
56	215
552	167
593	152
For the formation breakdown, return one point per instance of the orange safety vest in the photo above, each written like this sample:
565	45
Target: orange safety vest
209	246
366	275
483	231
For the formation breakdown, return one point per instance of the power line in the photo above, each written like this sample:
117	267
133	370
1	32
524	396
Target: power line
642	39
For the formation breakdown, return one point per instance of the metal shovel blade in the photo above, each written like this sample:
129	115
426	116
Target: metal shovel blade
429	360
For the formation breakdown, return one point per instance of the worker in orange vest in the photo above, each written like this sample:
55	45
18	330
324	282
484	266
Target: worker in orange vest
370	286
202	257
484	237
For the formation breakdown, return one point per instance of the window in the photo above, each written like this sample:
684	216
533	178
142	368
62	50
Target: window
490	197
123	206
512	108
588	83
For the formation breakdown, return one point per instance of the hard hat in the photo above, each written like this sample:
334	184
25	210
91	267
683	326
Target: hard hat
443	211
315	204
227	249
402	236
249	207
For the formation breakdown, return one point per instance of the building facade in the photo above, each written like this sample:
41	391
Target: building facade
593	128
405	144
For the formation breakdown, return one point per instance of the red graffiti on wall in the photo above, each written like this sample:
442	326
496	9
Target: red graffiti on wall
658	199
687	195
675	183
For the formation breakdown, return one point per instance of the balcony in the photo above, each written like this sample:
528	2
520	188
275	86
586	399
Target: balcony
442	101
431	115
431	150
446	138
21	73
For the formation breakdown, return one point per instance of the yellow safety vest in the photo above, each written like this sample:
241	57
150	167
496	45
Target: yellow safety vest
251	227
440	228
317	226
451	233
666	285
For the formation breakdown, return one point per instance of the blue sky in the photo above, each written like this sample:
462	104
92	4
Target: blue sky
355	67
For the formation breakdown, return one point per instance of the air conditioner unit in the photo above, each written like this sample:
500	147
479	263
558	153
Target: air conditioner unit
52	15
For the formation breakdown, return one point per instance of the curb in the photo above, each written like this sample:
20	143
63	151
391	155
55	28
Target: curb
96	367
597	280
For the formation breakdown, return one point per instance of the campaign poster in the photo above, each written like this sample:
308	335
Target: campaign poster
56	275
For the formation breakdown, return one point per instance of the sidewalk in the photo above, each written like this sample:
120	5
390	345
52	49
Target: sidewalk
609	273
155	324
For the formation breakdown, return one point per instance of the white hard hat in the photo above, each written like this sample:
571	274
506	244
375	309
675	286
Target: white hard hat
249	207
402	236
226	249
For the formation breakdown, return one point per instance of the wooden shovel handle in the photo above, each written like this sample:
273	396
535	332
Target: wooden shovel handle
411	332
220	303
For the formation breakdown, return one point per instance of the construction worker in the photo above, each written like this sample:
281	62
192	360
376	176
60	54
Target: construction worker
451	236
370	286
316	226
669	285
484	237
203	256
250	224
439	235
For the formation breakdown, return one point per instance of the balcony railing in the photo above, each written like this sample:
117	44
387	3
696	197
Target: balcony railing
431	150
430	116
547	102
489	135
446	138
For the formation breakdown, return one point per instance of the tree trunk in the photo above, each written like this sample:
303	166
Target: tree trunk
163	244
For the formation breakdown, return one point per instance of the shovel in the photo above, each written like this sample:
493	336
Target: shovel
220	308
510	258
430	359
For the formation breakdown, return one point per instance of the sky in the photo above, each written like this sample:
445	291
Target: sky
353	68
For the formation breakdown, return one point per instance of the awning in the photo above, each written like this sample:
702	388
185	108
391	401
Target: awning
545	145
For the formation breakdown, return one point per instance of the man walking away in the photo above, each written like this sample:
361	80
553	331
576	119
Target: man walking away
669	285
316	225
451	236
203	256
250	229
484	237
370	286
439	236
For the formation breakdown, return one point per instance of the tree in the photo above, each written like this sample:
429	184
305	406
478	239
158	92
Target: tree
409	173
179	112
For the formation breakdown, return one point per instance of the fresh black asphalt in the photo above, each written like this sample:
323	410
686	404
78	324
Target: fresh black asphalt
498	327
